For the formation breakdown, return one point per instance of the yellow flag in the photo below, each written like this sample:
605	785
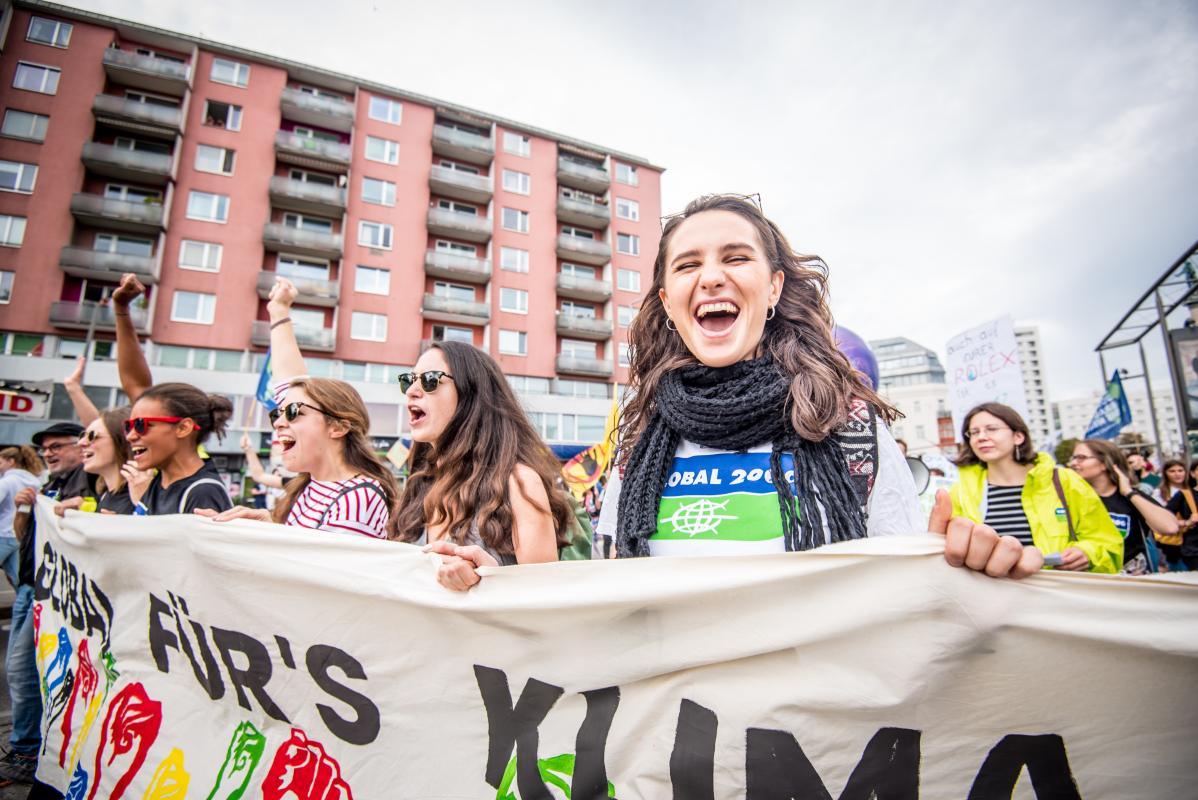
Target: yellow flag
584	470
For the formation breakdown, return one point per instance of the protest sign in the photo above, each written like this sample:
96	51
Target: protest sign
186	658
983	367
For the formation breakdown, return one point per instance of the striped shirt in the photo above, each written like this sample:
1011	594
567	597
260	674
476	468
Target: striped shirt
1004	513
362	510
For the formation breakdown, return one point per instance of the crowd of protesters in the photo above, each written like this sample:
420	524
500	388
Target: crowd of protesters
734	364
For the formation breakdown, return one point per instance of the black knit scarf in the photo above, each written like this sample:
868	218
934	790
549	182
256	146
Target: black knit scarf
735	408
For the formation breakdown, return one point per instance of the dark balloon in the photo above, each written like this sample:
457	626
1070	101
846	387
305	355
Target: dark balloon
859	354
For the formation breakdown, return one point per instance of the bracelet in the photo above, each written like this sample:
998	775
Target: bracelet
277	323
117	313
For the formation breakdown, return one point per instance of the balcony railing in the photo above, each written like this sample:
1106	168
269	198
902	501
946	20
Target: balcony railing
128	215
327	112
84	263
145	117
585	251
583	288
307	338
125	164
440	264
147	72
308	151
459	225
462	145
582	176
312	291
583	327
83	314
460	185
579	365
450	309
582	212
277	236
306	196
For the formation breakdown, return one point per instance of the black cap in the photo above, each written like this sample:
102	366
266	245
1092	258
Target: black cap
72	429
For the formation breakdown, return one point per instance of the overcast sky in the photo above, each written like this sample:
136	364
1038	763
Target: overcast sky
951	161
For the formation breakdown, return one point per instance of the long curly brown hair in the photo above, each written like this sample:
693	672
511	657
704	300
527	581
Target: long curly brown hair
463	480
799	337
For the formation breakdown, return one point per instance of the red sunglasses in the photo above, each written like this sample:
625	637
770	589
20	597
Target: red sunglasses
142	424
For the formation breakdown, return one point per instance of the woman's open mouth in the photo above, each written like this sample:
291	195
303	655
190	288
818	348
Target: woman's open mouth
138	452
285	441
416	415
717	317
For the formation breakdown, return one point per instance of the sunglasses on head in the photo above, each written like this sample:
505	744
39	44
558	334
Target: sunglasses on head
142	424
428	380
292	410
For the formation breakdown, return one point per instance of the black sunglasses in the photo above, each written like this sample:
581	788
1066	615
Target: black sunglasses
428	380
292	410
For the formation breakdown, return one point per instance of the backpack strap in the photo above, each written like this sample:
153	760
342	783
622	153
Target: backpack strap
1189	496
1056	484
187	491
858	439
343	491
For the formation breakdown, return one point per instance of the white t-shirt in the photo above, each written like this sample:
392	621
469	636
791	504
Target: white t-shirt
720	502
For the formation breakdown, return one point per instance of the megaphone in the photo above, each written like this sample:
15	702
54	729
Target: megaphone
921	474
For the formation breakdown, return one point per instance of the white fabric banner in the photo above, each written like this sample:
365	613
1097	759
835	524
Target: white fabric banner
188	659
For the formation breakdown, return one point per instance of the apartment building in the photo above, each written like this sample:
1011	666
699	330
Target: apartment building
1035	384
209	170
912	379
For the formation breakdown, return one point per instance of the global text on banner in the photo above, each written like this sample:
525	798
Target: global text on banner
983	367
181	657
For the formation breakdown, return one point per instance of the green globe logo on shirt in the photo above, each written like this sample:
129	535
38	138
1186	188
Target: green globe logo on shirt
697	517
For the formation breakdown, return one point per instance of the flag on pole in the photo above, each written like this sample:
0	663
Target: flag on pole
584	470
264	394
1113	412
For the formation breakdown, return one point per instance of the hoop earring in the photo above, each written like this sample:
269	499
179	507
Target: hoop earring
771	313
670	325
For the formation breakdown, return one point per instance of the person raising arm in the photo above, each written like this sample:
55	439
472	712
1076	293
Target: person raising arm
131	362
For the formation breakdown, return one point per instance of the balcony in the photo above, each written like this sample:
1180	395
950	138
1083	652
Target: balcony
594	179
583	251
323	112
459	225
583	212
121	215
579	365
104	266
279	237
440	264
88	314
583	327
128	165
312	291
449	182
576	288
462	145
306	197
306	151
147	72
145	118
449	309
324	339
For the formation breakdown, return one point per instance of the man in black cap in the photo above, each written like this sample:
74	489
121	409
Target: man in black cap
59	447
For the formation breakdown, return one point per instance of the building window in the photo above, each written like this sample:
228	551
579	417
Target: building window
626	173
625	355
457	248
457	208
208	207
123	245
386	110
454	291
368	327
382	150
578	271
516	144
513	343
629	244
513	300
448	333
628	209
24	125
513	259
574	348
374	234
6	278
517	182
628	280
515	220
574	309
131	194
194	307
36	78
625	315
12	230
229	72
305	176
49	31
218	160
305	222
372	280
526	384
302	268
17	177
201	256
222	115
378	192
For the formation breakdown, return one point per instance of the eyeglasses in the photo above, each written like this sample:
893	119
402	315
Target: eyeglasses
989	430
754	198
292	410
428	380
142	424
89	436
54	448
1073	459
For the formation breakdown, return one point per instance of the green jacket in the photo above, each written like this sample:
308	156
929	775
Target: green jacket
1097	535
